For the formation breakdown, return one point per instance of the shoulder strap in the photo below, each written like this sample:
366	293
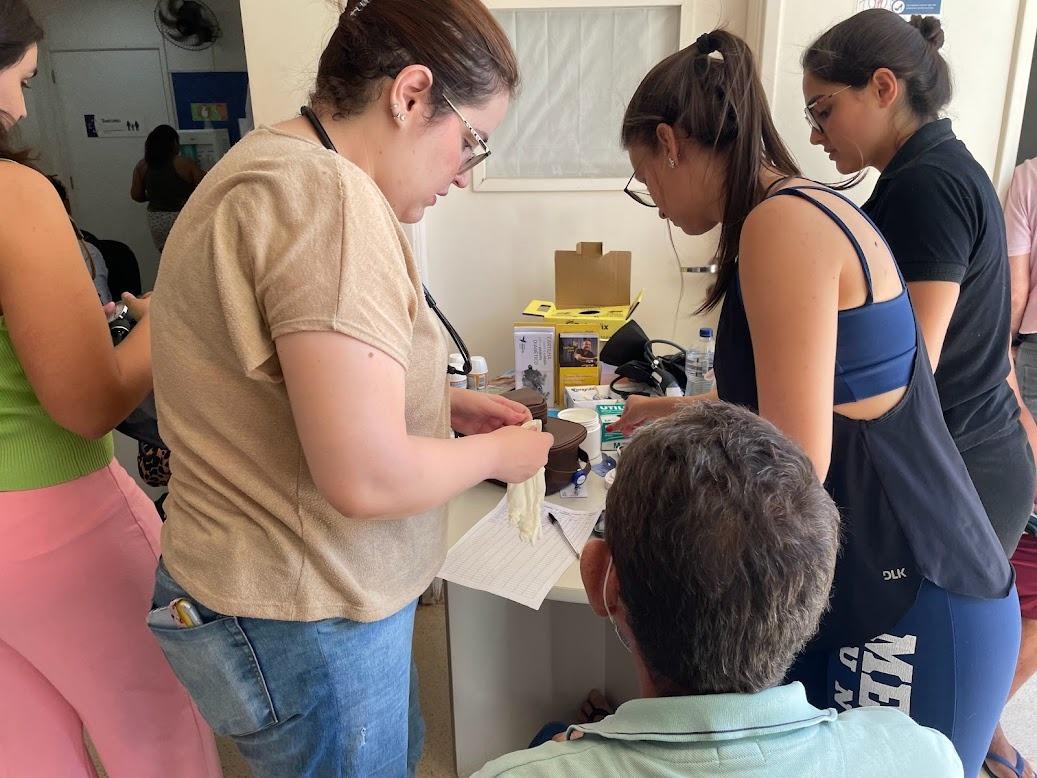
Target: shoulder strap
797	191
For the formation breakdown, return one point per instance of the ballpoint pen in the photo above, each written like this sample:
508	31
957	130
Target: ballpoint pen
568	542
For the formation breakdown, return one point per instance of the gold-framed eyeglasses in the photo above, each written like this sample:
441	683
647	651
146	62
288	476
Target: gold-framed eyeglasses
812	119
476	151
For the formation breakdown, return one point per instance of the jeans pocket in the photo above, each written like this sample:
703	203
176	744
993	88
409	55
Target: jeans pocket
217	665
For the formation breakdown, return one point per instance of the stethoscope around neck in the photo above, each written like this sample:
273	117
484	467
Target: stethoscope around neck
318	128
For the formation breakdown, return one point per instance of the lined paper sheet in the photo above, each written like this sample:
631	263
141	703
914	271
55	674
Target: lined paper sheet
493	558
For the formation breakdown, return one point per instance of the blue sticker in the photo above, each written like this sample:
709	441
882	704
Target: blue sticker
607	463
920	7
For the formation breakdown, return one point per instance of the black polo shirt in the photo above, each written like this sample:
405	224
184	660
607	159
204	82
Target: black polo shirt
941	216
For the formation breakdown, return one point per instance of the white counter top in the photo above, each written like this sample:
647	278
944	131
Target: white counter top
471	506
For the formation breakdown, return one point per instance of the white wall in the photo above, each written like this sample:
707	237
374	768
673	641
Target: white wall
283	53
100	24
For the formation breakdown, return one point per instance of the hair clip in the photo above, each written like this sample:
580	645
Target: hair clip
358	8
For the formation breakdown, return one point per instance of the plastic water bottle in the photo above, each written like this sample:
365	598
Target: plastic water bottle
698	365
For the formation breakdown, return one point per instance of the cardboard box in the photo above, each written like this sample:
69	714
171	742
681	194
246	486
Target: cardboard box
535	359
605	320
588	277
592	289
589	396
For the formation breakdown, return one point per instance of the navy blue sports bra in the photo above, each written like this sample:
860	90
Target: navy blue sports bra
910	512
875	344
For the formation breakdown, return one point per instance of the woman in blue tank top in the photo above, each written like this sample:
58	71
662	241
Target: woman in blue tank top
817	334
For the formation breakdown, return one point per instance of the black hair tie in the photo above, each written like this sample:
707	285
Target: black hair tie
705	44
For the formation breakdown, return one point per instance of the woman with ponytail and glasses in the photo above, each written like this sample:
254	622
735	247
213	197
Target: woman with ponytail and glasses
874	86
817	334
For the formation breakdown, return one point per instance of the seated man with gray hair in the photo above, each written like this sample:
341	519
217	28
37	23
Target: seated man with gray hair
718	555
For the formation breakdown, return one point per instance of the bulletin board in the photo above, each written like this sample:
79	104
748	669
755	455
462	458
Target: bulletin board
210	99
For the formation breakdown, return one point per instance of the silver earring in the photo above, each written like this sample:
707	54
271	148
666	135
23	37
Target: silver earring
672	162
397	114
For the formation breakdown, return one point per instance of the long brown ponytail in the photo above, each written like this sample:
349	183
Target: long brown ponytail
720	103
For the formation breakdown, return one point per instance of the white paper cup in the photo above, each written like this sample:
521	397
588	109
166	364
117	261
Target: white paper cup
589	418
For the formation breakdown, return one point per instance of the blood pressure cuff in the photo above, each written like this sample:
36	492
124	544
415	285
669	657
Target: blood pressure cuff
566	463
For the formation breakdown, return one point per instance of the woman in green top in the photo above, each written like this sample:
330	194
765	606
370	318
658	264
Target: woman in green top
78	539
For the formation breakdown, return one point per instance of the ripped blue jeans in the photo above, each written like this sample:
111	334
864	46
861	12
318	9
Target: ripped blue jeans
302	699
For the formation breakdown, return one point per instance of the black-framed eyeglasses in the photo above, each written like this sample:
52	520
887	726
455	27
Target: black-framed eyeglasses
476	152
638	192
808	111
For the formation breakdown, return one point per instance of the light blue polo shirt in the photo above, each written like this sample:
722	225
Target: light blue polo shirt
774	733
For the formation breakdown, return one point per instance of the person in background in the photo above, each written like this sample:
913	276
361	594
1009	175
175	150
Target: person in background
817	333
719	550
91	253
152	460
874	86
78	539
164	180
312	455
1021	230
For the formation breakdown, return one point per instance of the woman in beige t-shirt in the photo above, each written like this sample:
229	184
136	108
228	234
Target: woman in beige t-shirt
301	385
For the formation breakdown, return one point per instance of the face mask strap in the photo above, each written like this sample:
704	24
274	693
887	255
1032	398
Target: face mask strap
604	600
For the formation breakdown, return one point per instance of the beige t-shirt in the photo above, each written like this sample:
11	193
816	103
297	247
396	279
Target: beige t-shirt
285	236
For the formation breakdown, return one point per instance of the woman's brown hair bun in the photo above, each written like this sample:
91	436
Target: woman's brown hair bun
930	28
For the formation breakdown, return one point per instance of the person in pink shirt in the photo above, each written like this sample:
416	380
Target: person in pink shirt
1021	228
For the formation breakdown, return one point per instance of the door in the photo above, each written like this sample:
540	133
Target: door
110	100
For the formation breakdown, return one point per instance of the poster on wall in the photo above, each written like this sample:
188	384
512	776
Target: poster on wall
209	112
108	126
902	7
211	100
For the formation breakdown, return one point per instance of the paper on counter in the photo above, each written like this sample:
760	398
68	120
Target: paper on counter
491	557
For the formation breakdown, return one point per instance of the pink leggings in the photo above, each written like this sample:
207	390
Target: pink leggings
77	564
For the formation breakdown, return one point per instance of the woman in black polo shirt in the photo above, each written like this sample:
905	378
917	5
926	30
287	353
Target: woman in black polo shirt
874	85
